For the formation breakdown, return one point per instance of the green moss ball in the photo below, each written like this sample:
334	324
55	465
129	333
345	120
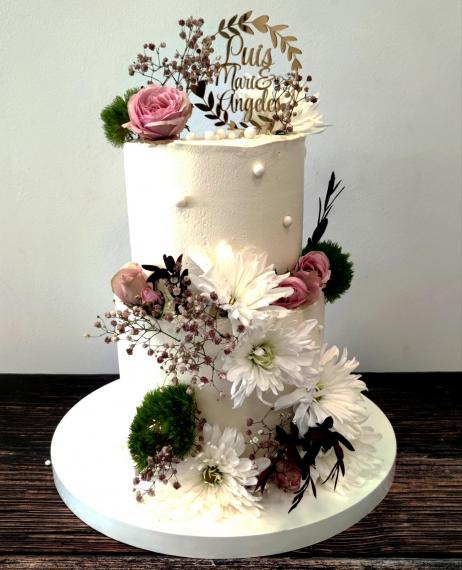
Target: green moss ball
166	417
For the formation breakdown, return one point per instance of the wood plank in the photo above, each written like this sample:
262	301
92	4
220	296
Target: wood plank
161	563
420	518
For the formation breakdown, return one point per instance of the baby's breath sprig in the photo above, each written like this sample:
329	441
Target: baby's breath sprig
261	433
186	335
160	469
289	91
189	66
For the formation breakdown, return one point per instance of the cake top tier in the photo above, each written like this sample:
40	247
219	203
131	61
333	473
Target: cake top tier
193	194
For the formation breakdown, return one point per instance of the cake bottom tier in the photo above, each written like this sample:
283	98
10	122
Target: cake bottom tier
93	473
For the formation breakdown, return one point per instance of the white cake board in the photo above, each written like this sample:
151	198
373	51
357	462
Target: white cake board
93	473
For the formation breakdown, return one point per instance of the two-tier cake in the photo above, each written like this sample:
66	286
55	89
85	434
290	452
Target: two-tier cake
219	318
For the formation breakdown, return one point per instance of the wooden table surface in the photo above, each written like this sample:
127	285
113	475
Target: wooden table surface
418	525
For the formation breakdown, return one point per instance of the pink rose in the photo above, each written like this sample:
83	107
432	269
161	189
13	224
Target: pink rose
158	112
314	261
128	283
288	476
148	295
312	282
298	298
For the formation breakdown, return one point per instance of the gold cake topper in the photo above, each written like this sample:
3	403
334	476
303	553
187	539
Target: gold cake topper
239	88
245	72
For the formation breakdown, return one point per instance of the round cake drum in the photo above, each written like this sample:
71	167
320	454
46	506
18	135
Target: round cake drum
93	473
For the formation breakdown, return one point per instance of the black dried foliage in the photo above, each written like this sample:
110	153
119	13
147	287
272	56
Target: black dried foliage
333	192
173	273
340	264
302	453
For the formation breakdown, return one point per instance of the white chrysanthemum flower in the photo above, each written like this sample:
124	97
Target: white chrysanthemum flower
332	391
243	281
216	485
361	465
272	353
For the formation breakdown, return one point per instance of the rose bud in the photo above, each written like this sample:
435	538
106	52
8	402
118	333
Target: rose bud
288	476
148	295
299	296
128	283
316	261
312	283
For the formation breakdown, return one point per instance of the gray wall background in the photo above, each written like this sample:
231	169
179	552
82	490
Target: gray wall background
389	74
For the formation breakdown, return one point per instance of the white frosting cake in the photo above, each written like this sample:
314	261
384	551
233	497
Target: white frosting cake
186	196
219	315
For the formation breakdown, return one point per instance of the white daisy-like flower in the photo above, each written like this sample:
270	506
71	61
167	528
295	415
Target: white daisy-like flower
216	485
332	391
361	465
243	281
271	354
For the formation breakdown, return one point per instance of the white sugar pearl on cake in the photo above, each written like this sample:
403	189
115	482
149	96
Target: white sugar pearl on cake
258	169
182	202
234	134
287	221
190	136
220	134
209	136
250	132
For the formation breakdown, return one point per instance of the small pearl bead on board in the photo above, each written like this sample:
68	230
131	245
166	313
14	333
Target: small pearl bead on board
287	221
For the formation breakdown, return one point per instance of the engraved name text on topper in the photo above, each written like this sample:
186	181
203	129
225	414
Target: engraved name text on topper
246	67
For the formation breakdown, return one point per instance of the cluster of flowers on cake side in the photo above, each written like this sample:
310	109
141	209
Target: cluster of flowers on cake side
239	322
237	327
